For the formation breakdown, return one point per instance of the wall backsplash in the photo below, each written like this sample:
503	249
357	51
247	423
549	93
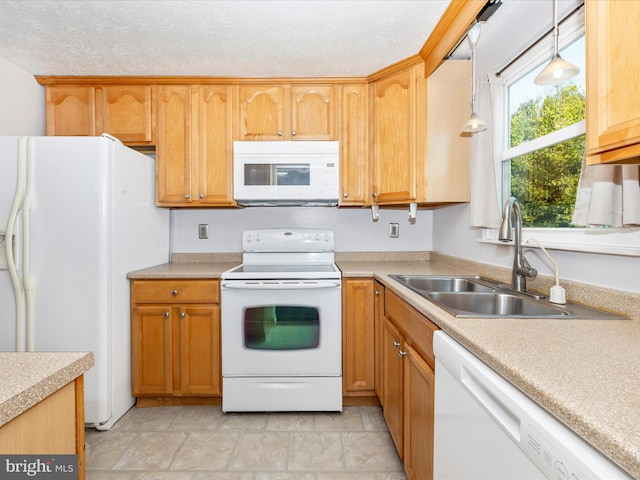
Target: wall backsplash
353	227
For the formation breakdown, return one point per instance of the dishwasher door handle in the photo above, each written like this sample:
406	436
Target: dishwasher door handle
497	409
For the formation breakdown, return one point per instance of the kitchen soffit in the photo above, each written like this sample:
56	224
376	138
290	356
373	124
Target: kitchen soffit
247	38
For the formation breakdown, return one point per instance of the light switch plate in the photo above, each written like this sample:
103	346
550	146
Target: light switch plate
394	230
203	231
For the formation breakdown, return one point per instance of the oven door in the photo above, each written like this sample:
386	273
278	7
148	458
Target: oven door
281	328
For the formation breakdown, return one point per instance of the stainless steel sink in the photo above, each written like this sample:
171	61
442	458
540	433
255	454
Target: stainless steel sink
444	284
496	304
475	296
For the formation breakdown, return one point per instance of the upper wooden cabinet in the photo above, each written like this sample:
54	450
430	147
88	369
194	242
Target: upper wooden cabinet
286	112
70	110
613	82
194	148
447	175
123	111
398	136
353	136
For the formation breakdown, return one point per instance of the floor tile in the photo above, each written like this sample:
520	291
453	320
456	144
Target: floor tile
316	451
370	451
348	420
104	449
151	451
261	451
291	421
190	419
205	451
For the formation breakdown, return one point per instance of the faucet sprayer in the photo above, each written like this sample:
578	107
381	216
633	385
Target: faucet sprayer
521	267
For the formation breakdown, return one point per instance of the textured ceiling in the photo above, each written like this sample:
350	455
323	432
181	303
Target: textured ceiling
250	38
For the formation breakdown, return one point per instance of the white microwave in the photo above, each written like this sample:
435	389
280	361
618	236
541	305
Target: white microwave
286	173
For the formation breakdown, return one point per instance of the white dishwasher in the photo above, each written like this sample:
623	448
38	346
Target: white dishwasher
485	428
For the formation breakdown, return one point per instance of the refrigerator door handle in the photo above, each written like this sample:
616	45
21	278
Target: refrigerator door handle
27	278
16	280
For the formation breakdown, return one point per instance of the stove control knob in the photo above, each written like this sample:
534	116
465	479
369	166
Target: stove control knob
258	237
317	237
326	238
248	238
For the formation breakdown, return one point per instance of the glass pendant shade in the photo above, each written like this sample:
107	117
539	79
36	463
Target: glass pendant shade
474	124
558	70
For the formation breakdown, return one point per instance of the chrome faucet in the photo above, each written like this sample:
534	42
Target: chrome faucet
521	267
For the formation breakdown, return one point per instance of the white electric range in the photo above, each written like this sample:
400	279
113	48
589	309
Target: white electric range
282	323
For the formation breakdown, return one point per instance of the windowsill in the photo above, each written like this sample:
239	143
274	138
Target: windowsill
623	242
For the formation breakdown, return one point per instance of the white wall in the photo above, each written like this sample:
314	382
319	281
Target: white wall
353	227
22	101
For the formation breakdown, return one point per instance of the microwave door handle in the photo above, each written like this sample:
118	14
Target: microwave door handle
280	286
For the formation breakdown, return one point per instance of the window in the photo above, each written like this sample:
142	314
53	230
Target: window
545	141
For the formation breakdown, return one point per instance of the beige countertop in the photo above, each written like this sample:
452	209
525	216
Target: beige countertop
27	378
584	372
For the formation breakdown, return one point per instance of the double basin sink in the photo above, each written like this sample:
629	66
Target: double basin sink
475	296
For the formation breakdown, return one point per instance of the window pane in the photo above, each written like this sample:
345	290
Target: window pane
545	183
274	327
535	110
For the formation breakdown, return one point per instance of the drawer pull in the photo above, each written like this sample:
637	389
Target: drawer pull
396	344
174	292
166	314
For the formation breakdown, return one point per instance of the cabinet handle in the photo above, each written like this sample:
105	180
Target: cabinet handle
181	314
201	196
166	314
174	292
187	196
396	344
294	133
279	133
345	195
374	194
378	292
402	354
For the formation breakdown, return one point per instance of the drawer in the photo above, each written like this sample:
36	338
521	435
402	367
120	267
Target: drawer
175	291
417	328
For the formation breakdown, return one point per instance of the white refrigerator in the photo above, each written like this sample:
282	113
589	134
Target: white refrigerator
87	218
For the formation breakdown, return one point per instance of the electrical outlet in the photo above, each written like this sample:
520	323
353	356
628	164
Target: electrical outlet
394	230
203	231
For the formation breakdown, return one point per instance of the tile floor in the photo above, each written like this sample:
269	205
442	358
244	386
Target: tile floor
198	443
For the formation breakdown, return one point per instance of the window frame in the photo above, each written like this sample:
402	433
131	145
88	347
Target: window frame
616	241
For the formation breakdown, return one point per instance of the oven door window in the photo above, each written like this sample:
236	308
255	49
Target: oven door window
279	327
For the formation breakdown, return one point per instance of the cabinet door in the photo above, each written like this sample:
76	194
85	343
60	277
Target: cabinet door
200	372
378	318
312	112
124	111
354	159
394	138
213	141
173	158
151	352
613	82
448	167
358	337
70	110
392	377
261	112
419	381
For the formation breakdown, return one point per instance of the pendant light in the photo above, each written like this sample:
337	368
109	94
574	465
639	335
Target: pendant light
474	124
557	70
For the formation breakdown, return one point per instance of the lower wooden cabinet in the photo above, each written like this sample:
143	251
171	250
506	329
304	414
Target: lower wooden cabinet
419	382
392	378
407	383
358	375
175	335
